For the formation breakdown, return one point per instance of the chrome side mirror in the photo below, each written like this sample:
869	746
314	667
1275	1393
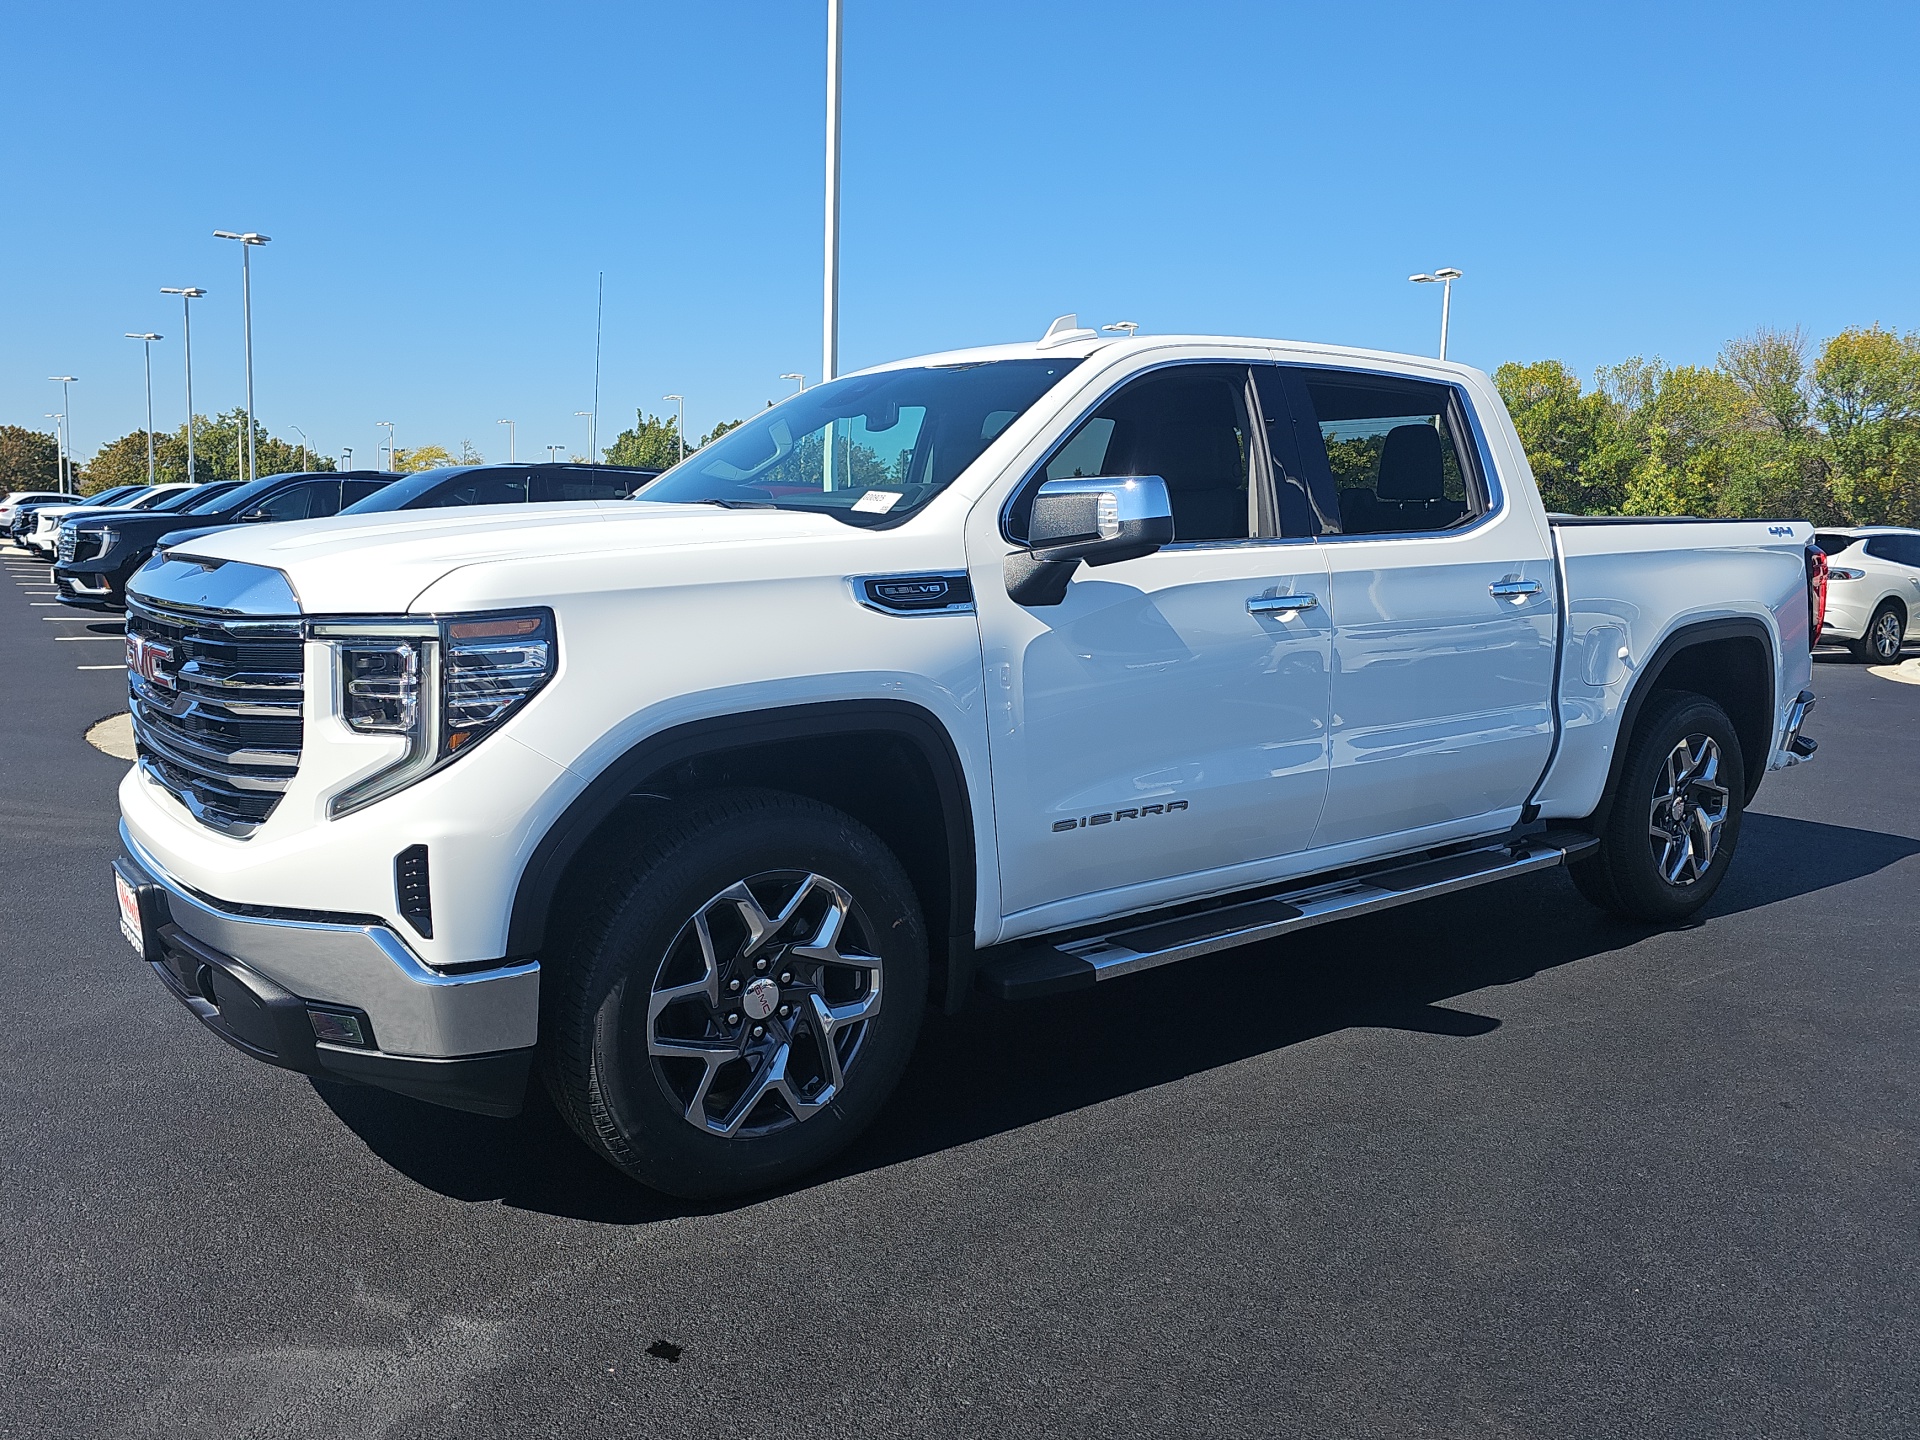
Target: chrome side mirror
1101	520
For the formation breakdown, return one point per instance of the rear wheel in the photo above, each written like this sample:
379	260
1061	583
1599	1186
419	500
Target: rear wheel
1675	821
1885	634
743	997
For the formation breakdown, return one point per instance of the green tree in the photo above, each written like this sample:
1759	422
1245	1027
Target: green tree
29	460
423	457
714	434
652	442
1560	427
1866	387
219	451
120	462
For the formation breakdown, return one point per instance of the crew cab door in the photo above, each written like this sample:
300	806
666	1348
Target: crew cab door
1443	603
1167	719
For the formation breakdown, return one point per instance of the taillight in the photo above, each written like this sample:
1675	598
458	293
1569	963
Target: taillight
1816	593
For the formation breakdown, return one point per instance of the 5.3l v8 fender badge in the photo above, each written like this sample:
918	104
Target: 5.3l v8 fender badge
1113	817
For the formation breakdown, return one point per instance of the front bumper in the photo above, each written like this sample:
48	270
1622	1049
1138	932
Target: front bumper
270	984
91	590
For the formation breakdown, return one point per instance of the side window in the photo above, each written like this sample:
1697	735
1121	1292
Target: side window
582	483
296	502
1396	452
485	487
1906	549
1189	425
354	491
326	499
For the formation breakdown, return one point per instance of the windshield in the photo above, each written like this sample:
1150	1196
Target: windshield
211	499
898	438
153	499
400	492
107	497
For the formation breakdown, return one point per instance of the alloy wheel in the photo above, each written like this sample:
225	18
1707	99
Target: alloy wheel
1888	633
761	1005
1689	810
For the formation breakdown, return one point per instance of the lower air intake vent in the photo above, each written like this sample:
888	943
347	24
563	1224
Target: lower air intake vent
412	890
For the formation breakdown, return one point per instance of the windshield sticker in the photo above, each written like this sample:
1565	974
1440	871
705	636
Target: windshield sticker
877	502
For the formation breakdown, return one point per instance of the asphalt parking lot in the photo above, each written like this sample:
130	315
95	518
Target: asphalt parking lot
1492	1166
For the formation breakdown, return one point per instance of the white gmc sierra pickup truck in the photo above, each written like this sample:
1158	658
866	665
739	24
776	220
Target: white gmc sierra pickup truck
1018	668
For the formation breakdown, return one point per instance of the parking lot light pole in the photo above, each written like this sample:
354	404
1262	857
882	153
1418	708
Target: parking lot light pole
147	338
587	415
388	426
553	454
800	381
188	294
511	453
680	425
830	346
303	444
66	424
1444	279
60	445
247	241
346	457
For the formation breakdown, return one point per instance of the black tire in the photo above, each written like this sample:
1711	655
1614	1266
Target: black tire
639	936
1629	873
1886	633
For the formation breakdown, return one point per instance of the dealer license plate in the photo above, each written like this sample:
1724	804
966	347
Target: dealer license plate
129	914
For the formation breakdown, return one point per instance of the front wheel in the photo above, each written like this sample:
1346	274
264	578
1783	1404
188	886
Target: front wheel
1886	633
1675	821
741	1000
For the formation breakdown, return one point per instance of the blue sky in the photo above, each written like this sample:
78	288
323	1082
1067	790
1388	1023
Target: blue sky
443	183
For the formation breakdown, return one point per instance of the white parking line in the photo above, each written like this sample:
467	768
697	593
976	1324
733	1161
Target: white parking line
90	619
116	639
99	667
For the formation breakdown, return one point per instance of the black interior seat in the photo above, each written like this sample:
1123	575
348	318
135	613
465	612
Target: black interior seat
1410	493
1188	435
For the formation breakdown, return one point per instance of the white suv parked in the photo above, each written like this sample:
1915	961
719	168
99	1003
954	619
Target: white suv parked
1873	589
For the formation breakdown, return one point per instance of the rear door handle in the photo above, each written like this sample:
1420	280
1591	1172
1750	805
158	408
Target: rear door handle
1281	604
1515	590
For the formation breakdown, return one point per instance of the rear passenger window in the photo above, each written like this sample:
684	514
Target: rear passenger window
581	484
484	487
1901	549
1397	455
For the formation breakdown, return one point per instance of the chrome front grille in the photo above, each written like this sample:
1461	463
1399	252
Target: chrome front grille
216	710
66	545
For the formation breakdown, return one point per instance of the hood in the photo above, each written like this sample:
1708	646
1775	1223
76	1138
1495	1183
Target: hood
381	563
123	516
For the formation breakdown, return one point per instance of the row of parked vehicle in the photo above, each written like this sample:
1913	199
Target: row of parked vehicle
98	543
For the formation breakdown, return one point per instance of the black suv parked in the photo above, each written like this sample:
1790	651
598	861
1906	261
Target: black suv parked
99	553
506	485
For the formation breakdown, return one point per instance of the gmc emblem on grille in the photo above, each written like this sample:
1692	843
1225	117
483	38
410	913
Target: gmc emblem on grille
150	660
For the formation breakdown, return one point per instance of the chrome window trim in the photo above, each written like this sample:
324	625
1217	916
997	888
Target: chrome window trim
1086	411
1496	492
1497	503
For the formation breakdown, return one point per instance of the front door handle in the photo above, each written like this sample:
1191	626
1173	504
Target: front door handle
1281	604
1514	590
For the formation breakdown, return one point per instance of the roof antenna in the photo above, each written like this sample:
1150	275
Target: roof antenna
1128	326
1065	330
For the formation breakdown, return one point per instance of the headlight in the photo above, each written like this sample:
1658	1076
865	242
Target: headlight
108	537
444	685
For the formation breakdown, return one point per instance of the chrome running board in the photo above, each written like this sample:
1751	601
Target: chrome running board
1024	971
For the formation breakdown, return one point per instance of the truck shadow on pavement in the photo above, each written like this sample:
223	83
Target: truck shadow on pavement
998	1067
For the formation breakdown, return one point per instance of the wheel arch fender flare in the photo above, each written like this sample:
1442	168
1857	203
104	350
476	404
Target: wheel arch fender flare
562	843
1689	636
